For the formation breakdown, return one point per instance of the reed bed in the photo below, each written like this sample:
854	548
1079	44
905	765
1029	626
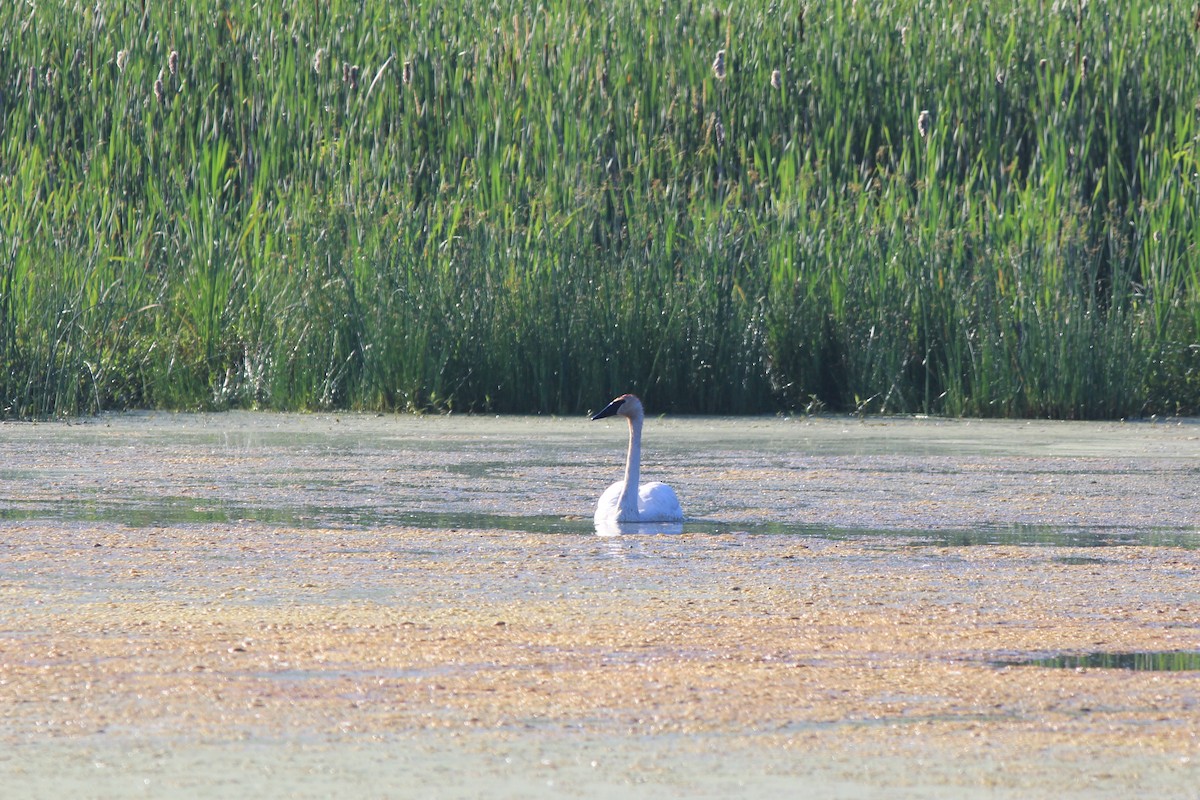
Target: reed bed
938	207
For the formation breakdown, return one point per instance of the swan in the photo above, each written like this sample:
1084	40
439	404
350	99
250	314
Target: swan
627	501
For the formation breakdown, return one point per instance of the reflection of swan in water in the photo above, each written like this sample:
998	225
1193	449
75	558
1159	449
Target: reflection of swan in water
611	527
626	506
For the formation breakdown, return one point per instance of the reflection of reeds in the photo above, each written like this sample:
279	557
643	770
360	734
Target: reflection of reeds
545	207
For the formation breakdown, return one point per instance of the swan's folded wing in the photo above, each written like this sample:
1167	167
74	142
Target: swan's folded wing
657	503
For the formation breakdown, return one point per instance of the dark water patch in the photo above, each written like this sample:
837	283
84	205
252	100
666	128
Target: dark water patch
161	512
150	511
437	520
175	511
1013	535
1079	561
1148	661
1059	536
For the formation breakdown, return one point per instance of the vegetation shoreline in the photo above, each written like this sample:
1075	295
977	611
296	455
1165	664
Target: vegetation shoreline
885	208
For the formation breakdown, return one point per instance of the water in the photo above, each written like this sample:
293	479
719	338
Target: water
925	481
158	512
288	602
1150	661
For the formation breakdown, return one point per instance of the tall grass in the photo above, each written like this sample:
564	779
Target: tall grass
520	207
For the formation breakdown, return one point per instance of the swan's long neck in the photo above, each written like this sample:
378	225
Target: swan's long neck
633	463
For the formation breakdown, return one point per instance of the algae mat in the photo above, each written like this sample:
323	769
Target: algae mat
196	605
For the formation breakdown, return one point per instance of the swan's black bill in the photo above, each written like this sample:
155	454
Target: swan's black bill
609	409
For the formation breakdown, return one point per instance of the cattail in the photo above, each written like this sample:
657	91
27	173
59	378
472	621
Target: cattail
173	62
1083	67
49	76
350	75
158	90
406	73
1042	65
719	133
317	59
122	59
999	77
719	65
923	123
776	79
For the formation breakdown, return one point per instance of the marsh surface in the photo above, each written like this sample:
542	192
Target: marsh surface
210	605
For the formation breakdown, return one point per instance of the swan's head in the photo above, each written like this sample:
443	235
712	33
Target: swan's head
626	405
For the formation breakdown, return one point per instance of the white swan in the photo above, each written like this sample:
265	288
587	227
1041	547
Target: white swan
627	501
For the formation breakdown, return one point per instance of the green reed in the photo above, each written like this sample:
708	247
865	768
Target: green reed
530	207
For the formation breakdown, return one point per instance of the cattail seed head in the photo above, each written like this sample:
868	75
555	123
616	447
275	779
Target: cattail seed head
718	65
776	79
158	90
173	62
317	59
406	74
719	132
350	74
924	122
122	59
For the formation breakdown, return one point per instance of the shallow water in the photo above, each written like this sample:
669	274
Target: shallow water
212	605
942	481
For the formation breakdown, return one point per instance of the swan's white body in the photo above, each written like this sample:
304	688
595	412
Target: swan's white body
627	500
656	502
